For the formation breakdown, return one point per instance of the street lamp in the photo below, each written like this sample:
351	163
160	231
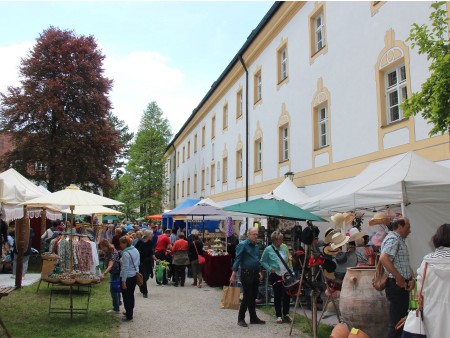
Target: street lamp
289	174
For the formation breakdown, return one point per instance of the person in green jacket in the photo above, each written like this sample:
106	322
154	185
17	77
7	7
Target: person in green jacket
276	269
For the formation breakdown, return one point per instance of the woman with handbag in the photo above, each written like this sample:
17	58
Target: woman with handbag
180	259
436	288
129	263
195	250
275	259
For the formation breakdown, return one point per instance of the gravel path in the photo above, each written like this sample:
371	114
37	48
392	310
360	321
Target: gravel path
192	312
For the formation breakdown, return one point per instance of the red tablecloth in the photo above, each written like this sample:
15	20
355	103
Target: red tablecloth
217	270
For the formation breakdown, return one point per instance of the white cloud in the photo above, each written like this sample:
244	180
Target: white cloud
9	63
142	77
139	78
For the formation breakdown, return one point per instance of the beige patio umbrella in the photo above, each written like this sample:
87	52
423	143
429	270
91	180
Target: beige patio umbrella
73	197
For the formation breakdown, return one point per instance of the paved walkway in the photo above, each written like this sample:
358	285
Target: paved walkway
192	312
7	281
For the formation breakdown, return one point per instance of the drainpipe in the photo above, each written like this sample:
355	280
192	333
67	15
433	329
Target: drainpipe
246	131
175	176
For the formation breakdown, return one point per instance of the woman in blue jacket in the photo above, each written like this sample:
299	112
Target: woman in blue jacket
129	265
276	269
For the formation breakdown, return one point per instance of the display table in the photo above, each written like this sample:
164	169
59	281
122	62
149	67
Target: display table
81	293
217	269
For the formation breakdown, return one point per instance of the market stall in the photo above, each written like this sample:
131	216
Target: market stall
217	268
74	250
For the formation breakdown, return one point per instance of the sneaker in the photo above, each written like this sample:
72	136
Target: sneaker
111	311
125	319
145	295
279	320
287	319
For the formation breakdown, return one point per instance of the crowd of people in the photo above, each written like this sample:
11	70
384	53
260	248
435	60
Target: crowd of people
139	248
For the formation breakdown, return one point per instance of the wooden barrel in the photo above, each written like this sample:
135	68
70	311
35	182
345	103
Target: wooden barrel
362	306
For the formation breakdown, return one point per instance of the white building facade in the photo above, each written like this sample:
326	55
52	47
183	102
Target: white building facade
315	91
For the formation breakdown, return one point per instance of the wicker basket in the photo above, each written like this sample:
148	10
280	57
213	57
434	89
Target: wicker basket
68	281
51	280
84	281
49	257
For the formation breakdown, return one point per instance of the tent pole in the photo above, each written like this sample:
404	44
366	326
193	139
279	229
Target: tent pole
71	237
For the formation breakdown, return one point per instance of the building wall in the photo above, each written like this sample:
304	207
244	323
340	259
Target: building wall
362	43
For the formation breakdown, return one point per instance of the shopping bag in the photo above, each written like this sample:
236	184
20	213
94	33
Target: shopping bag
139	279
230	297
414	326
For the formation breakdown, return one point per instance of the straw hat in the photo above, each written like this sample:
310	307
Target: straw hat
356	234
338	240
327	250
328	234
338	219
379	218
349	217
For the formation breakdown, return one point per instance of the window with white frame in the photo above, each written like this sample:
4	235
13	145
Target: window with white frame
239	163
284	143
182	189
319	29
239	103
283	63
207	176
195	183
322	122
396	93
218	171
257	79
225	169
203	179
212	151
225	116
188	187
213	172
258	155
40	167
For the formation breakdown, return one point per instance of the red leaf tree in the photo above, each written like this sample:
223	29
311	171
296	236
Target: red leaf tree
58	116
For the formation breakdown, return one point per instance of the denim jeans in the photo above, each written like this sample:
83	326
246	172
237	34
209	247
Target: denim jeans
114	288
398	306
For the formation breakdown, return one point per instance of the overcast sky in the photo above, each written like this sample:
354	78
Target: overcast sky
170	52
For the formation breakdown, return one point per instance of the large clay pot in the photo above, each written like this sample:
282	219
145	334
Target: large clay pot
361	305
340	331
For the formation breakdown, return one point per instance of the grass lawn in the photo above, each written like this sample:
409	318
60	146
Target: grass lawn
25	314
301	323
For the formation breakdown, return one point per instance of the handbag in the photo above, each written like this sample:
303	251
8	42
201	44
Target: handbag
414	326
139	277
201	259
290	281
380	279
230	297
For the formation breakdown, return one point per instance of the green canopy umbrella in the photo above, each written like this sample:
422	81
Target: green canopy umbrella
274	206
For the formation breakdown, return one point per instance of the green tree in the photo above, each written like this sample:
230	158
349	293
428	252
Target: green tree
57	118
433	101
126	193
146	166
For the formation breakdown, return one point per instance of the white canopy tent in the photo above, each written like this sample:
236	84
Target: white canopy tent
288	191
15	189
420	187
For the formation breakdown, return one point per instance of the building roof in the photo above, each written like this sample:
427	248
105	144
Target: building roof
253	35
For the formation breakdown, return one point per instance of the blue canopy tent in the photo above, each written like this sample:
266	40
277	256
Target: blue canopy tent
167	220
